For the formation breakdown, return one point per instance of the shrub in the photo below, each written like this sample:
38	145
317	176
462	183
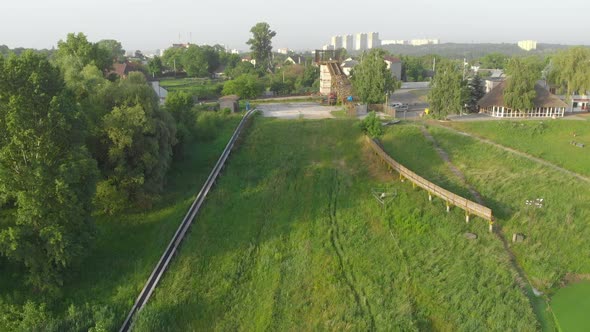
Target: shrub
371	125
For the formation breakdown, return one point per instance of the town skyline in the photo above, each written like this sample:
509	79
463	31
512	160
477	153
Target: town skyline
143	24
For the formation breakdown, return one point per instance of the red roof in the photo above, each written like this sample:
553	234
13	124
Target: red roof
392	59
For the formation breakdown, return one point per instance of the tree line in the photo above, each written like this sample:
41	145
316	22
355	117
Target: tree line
73	142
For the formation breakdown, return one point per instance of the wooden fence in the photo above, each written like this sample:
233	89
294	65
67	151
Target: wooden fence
451	199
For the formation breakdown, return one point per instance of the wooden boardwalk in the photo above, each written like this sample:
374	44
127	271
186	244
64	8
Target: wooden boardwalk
451	199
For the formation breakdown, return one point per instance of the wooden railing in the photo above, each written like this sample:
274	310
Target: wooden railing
451	199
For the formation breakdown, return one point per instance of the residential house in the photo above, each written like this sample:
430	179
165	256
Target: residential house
395	66
296	60
347	66
230	102
160	92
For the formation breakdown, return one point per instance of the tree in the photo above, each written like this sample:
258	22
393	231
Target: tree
494	61
448	93
476	92
371	125
246	86
412	69
44	169
76	52
371	79
137	139
155	66
243	67
172	58
200	61
113	48
179	105
570	69
520	85
261	45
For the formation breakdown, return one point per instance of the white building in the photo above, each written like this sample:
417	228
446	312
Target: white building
283	50
394	65
361	42
394	42
527	45
419	42
373	40
336	42
347	42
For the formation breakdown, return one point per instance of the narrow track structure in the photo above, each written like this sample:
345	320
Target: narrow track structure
174	244
451	199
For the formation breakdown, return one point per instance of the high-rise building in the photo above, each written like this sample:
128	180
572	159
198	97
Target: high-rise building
373	40
336	42
361	42
527	45
347	42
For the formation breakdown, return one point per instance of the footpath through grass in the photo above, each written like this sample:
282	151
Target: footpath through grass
547	139
292	239
128	245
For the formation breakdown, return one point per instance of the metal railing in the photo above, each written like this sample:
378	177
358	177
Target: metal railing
451	199
164	261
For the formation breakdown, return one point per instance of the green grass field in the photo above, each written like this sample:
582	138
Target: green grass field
128	245
547	139
201	88
571	306
292	239
555	234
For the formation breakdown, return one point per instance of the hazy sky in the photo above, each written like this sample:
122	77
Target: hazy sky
300	24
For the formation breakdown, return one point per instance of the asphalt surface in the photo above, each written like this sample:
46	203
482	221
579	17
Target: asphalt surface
306	110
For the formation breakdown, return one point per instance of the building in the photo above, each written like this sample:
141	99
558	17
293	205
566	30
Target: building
347	43
394	42
347	66
527	45
296	60
249	59
545	103
284	50
160	92
395	66
230	102
361	42
336	42
333	80
420	42
373	40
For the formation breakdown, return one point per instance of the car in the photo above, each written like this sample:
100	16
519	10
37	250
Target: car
395	105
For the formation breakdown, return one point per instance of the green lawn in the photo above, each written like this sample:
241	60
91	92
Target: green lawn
198	87
571	306
292	239
128	245
547	139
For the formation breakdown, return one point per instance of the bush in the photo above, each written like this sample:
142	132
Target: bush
371	125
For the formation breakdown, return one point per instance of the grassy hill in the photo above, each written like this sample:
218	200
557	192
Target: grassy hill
292	238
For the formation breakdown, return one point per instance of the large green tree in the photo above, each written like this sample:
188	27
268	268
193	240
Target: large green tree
245	86
45	170
113	48
448	93
76	52
570	69
520	85
261	45
155	66
137	144
494	61
200	61
371	79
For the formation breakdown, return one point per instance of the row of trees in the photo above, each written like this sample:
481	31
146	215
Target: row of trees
70	141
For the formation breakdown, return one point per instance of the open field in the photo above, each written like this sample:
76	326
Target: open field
554	233
291	238
202	88
571	306
129	244
547	139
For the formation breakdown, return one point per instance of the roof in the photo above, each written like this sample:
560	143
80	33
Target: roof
544	98
229	98
349	63
296	59
392	59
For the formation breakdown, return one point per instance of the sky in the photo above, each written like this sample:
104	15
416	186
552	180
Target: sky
300	24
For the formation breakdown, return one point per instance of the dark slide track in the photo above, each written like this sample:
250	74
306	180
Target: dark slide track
174	244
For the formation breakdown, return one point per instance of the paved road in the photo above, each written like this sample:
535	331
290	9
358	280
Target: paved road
307	110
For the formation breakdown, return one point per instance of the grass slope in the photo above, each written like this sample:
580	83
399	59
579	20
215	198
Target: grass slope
571	306
201	88
292	239
128	245
547	139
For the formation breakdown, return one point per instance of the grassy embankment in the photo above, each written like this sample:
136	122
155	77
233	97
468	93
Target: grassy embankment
547	139
129	244
555	234
204	89
291	238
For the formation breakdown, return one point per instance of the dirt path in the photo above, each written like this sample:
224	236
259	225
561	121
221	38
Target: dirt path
517	152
